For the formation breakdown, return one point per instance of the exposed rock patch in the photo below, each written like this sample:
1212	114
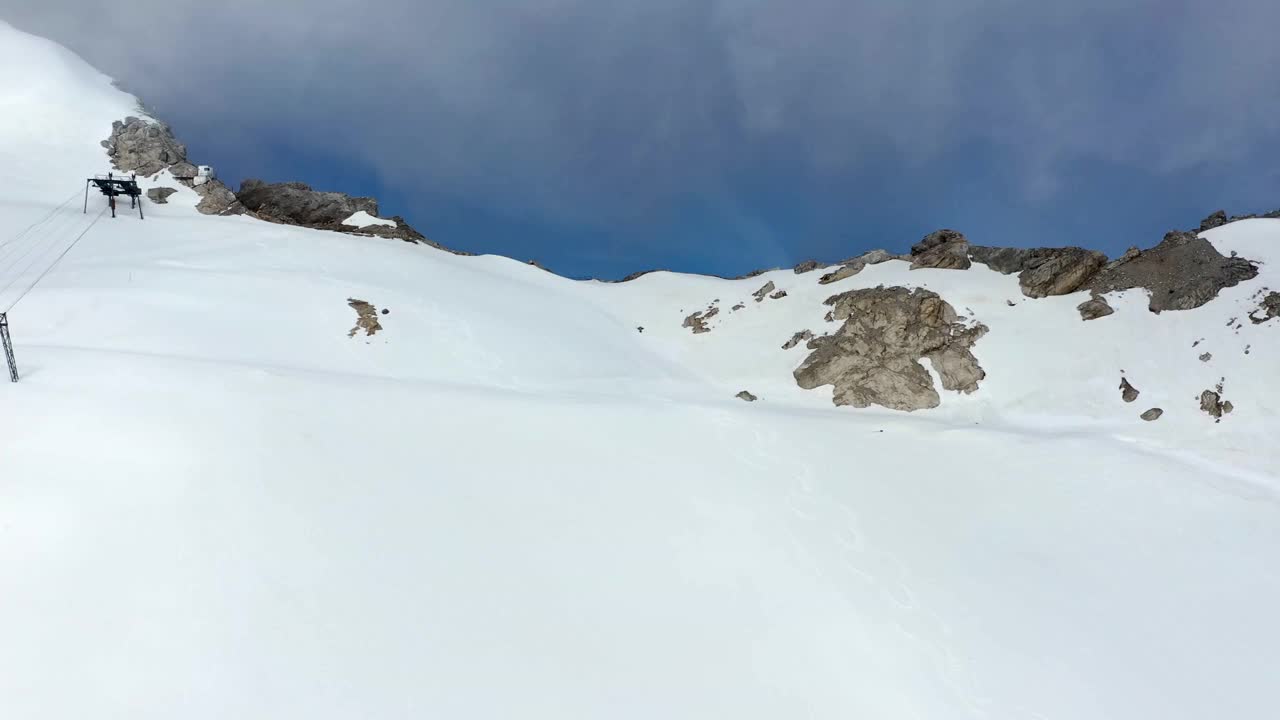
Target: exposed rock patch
942	249
842	272
1206	357
1182	272
697	322
1211	402
1216	219
802	336
143	146
744	395
1128	393
217	199
778	295
1152	414
874	358
160	195
1094	308
366	318
1043	272
760	294
1267	309
807	266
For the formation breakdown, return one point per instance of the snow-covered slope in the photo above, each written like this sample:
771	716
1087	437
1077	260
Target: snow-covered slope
509	502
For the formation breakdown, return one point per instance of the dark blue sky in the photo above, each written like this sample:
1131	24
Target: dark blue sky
602	137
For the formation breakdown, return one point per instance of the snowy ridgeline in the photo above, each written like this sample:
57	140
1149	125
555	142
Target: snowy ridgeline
255	470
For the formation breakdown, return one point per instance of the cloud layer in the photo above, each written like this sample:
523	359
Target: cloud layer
758	119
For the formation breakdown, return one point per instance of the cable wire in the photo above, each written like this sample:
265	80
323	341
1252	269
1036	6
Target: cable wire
49	269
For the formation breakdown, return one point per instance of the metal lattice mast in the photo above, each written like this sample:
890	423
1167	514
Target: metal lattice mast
8	347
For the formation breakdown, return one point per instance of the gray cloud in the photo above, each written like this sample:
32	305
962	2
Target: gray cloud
595	111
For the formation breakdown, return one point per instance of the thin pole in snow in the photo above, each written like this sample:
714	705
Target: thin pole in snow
8	347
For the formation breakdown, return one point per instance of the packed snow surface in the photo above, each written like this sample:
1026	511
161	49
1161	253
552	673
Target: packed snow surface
510	502
362	219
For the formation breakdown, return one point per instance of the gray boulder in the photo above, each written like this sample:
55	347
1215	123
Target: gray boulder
1042	272
744	395
141	146
941	249
1128	393
1152	414
760	294
874	358
1212	403
1182	272
1094	308
160	195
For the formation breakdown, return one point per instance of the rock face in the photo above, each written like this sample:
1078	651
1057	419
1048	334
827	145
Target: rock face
1216	219
1152	414
744	395
842	272
1128	393
1267	309
802	336
295	203
1043	272
160	195
874	358
807	266
142	146
146	147
941	249
1182	272
1094	308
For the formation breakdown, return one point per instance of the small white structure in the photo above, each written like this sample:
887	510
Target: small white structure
204	173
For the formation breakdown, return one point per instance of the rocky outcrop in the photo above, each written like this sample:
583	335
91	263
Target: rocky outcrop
1206	357
778	295
1094	308
141	146
744	395
217	199
760	294
1182	272
697	322
807	266
874	358
942	249
1152	415
160	195
842	272
1043	272
802	336
1128	393
1216	219
296	203
1267	309
1211	402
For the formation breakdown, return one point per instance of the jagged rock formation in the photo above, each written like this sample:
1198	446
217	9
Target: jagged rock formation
146	147
1152	414
874	358
760	294
1094	308
143	147
854	265
942	249
778	295
1216	219
1042	272
807	266
160	195
1128	393
1267	309
1182	272
697	322
1211	402
802	336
